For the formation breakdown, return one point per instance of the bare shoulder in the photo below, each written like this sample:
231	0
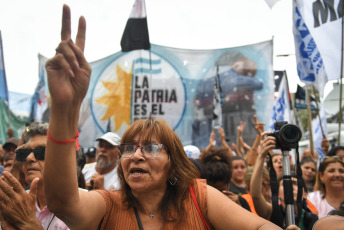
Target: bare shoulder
329	222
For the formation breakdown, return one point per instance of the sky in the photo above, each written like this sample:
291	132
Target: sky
32	27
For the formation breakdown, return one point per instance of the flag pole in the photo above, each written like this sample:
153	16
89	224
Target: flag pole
341	86
316	102
309	120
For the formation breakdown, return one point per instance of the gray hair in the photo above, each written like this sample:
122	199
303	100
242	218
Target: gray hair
34	128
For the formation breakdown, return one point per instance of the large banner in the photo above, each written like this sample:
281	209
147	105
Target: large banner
177	85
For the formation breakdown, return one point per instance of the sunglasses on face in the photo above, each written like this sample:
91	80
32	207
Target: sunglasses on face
22	154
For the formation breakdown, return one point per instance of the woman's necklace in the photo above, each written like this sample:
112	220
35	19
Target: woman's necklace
151	215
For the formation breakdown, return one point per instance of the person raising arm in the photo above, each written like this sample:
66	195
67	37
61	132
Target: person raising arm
68	80
157	179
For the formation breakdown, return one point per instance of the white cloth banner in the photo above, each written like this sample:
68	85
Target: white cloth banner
324	21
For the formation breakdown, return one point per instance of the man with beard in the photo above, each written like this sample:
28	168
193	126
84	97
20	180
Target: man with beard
102	174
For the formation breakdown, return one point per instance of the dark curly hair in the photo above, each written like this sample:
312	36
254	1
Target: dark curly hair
218	164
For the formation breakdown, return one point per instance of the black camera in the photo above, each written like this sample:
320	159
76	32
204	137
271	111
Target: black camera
287	135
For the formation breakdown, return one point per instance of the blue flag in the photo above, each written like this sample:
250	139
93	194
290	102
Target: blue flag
3	83
310	66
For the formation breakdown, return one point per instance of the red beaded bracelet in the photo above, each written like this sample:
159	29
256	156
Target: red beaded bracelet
66	141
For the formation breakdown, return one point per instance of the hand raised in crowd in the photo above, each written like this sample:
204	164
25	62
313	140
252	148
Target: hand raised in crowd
68	71
212	141
223	140
18	208
222	134
325	145
241	128
259	126
96	182
240	141
252	152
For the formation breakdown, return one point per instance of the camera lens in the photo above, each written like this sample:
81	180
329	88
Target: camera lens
290	133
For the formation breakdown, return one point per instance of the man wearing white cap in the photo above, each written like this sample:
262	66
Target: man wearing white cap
102	174
192	151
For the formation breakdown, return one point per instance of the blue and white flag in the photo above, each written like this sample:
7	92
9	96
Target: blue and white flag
281	109
317	26
3	82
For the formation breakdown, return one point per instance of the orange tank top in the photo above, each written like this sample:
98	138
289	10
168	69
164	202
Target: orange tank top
118	216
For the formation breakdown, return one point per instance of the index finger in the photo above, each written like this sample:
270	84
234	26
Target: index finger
66	28
255	119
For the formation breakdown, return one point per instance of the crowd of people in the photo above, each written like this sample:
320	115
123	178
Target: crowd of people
147	179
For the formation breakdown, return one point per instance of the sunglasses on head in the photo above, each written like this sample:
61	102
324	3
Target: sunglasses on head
339	158
22	154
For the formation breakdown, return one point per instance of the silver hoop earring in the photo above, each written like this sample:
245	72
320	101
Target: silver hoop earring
172	181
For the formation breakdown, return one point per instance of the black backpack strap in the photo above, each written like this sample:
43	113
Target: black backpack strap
277	214
139	223
300	186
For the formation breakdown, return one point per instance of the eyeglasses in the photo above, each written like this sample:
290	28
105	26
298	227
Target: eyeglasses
22	154
149	150
339	158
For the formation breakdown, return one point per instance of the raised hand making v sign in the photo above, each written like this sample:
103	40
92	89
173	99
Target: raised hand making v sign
69	72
